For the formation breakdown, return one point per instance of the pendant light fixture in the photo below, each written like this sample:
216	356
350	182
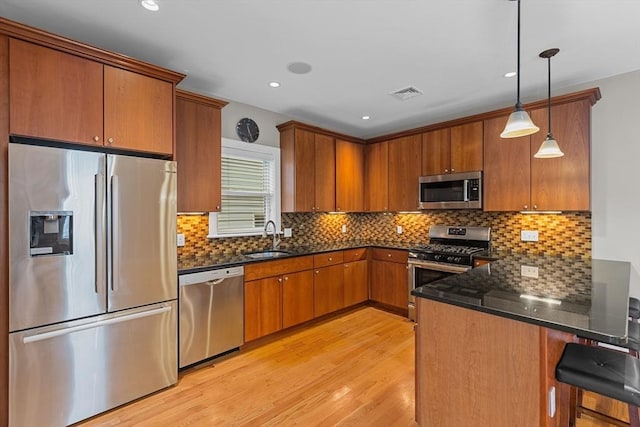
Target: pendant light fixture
519	123
549	148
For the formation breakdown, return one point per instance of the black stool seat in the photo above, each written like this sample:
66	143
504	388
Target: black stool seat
606	372
634	308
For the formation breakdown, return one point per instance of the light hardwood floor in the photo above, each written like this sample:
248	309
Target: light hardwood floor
353	370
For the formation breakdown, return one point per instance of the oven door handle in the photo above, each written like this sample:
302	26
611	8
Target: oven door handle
439	267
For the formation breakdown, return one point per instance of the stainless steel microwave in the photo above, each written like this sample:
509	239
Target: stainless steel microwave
451	191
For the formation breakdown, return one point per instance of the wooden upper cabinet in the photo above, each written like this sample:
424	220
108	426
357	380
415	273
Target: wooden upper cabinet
507	169
563	183
54	95
60	96
376	174
515	180
198	152
453	150
404	170
325	173
307	171
466	147
349	176
436	152
138	112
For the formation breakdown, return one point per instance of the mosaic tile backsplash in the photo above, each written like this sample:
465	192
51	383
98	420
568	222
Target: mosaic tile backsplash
567	234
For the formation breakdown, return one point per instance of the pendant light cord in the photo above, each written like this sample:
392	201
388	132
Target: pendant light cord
518	104
549	95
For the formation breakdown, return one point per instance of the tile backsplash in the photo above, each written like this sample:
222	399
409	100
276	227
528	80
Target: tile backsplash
567	234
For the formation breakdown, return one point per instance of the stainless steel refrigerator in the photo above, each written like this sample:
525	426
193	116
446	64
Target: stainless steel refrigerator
92	282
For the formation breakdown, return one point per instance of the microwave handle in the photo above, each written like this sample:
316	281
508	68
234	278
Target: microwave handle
466	190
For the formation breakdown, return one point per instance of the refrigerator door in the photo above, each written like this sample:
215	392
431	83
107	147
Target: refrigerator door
56	235
141	249
59	375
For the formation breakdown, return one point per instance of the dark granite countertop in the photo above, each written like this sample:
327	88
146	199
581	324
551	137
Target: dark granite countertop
586	297
197	264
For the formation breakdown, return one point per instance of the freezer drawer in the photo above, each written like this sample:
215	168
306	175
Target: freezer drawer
211	313
59	375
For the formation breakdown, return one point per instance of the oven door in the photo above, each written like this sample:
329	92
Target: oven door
425	272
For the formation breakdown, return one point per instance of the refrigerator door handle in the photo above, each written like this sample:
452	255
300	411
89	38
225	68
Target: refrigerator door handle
115	230
99	232
66	331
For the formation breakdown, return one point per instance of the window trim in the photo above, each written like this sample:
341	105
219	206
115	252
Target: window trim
257	151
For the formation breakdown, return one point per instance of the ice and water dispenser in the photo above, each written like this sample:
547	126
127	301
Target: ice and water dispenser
51	233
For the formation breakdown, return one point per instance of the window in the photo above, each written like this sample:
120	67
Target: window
250	190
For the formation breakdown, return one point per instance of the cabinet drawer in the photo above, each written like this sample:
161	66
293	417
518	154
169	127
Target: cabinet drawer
278	267
392	255
351	255
328	258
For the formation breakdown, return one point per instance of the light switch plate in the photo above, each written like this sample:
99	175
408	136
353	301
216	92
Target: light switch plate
529	271
287	232
344	228
399	229
529	235
180	239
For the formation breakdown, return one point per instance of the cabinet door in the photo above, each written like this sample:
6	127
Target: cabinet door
297	298
54	95
466	147
507	169
389	283
404	170
563	183
328	289
325	173
262	307
376	182
198	154
349	176
138	112
436	156
355	283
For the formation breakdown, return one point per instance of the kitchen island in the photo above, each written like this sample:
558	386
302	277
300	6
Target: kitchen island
488	341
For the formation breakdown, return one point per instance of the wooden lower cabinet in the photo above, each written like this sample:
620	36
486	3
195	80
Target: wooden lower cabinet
328	289
355	282
389	277
262	307
297	298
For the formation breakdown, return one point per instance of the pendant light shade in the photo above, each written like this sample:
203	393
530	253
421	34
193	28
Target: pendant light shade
549	148
519	123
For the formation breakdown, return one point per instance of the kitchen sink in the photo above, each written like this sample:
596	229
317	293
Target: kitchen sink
267	254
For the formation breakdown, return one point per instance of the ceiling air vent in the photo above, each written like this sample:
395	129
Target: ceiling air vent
406	93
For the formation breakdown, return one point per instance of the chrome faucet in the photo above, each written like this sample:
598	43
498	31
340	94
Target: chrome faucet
276	239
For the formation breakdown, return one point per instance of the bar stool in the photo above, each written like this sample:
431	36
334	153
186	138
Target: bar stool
634	309
607	372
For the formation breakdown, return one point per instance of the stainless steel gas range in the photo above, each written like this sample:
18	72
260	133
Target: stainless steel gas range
450	251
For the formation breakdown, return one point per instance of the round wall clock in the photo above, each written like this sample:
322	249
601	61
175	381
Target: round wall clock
247	130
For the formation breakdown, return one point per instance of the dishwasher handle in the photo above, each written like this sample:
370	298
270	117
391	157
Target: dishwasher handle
210	277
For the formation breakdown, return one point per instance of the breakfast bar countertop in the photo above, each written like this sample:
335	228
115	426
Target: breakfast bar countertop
587	297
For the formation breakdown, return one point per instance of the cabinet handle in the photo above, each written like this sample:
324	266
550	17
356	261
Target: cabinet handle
218	207
535	206
279	279
286	278
96	138
317	271
389	255
526	206
453	170
110	141
446	171
346	265
330	259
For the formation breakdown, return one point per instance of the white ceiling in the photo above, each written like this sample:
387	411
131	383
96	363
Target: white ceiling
456	51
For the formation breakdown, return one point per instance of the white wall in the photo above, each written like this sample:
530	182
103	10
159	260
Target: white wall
615	172
266	120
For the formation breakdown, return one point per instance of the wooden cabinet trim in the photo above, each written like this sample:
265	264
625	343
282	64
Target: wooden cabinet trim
196	97
47	39
258	270
292	124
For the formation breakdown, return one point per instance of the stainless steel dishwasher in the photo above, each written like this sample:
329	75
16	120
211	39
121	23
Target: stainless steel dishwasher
211	313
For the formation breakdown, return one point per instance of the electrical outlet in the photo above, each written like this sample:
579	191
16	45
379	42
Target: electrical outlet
529	235
529	271
399	229
180	239
344	228
287	232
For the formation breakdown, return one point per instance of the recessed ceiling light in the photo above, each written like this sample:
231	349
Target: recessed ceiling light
274	84
151	5
366	117
299	67
510	74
